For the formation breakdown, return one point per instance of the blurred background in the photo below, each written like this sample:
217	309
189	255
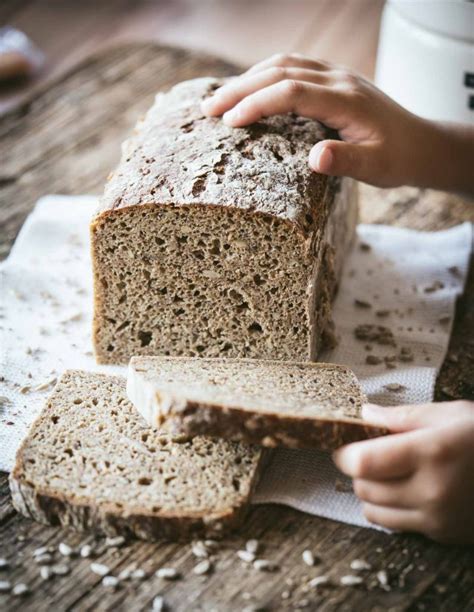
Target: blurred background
242	31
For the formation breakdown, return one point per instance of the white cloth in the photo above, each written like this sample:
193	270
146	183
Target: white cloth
46	321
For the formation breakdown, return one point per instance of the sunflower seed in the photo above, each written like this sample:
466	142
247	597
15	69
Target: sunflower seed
308	557
61	569
3	563
167	573
351	580
265	565
199	550
20	589
45	559
203	567
65	550
100	569
212	544
360	564
110	582
41	551
86	551
246	556
138	574
125	574
46	573
158	604
252	546
5	586
114	542
382	577
318	581
285	594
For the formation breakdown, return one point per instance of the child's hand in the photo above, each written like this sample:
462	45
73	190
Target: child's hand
422	477
382	143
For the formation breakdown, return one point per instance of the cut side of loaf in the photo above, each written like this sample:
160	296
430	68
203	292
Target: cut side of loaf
91	462
213	241
265	402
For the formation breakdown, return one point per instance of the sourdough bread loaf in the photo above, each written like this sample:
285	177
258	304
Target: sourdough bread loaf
90	461
266	402
215	241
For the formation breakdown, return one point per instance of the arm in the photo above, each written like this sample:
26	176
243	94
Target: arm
382	143
421	477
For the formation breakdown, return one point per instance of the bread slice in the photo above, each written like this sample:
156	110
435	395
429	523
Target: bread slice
271	403
213	241
90	461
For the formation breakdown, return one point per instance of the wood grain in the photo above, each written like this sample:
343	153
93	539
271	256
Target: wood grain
66	140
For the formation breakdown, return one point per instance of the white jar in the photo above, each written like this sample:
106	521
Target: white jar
425	59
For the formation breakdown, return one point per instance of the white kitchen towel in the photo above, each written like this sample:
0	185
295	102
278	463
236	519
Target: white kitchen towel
405	280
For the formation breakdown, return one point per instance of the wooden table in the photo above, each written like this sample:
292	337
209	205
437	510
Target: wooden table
66	140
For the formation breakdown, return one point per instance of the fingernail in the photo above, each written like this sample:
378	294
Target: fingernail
230	116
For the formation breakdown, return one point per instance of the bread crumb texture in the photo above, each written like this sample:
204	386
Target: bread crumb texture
213	241
90	460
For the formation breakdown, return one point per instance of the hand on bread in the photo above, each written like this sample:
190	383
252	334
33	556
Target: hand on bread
421	478
381	142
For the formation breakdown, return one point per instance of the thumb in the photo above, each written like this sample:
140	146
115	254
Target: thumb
338	158
406	418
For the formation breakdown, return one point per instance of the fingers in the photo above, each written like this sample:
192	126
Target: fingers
405	418
338	158
307	99
389	457
399	519
392	493
294	60
236	90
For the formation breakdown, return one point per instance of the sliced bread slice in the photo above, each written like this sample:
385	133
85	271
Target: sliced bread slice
270	403
90	461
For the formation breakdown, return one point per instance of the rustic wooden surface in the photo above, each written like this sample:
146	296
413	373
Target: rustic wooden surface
242	31
66	140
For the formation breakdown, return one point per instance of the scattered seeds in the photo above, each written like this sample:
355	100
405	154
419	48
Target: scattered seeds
211	544
86	551
65	550
46	384
406	354
138	574
41	551
45	559
61	569
363	246
382	577
3	563
110	582
5	401
374	333
362	304
455	271
394	387
158	604
5	586
351	580
199	550
318	581
308	557
373	360
203	567
20	589
434	287
100	569
285	595
360	564
46	573
246	556
125	574
445	320
382	313
265	565
252	546
167	573
116	542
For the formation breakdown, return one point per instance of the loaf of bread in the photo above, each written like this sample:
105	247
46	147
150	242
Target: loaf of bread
214	241
266	402
91	462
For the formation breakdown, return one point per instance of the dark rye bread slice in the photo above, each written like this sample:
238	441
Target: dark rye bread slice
91	462
265	402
